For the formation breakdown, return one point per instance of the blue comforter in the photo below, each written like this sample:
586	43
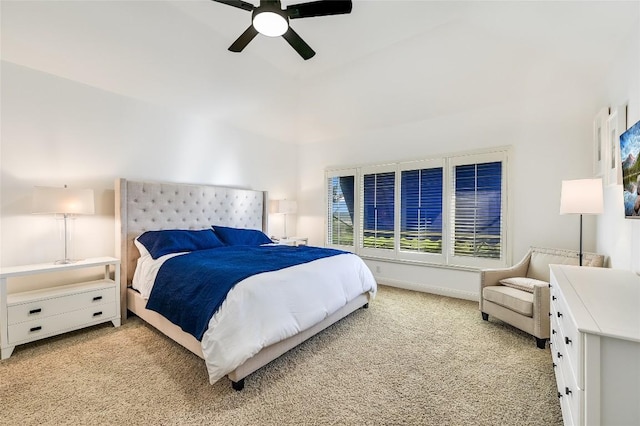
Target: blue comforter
190	288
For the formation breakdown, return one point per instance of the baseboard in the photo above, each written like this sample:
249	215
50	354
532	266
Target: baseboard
426	288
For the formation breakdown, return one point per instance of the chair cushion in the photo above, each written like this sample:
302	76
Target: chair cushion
522	283
540	261
516	300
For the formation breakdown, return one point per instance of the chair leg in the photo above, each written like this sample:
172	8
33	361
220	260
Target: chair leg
542	343
485	316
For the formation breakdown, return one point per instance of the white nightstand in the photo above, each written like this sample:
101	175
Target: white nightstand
32	315
292	241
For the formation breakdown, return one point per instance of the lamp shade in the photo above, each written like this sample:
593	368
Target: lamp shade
63	200
284	206
581	196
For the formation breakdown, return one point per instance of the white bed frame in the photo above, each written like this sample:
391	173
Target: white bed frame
144	206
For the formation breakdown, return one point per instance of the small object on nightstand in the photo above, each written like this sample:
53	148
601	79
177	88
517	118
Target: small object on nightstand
292	241
32	315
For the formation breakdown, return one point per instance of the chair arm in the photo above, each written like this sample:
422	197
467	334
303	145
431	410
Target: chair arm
489	277
541	308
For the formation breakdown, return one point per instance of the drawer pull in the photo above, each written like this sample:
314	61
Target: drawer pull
35	311
559	355
38	328
554	365
567	340
567	391
559	314
553	331
553	298
97	314
559	395
95	299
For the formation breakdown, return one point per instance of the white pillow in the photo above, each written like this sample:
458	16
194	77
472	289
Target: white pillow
522	283
147	268
142	267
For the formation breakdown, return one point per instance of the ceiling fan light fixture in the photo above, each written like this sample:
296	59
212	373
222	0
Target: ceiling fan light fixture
270	23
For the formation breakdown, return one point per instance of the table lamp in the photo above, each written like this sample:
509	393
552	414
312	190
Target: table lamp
285	207
65	202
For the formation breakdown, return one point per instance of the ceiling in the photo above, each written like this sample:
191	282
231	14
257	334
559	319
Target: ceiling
426	57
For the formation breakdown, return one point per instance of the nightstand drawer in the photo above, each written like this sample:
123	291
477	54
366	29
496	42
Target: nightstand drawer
68	299
56	324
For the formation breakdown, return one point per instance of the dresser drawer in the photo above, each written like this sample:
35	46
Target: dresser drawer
49	326
569	394
561	361
569	338
41	308
567	415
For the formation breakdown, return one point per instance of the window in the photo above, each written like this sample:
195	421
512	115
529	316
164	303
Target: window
477	210
449	210
341	210
378	219
421	210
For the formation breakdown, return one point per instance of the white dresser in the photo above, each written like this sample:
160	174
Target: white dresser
595	344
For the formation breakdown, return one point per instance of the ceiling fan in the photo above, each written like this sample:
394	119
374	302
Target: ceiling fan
271	20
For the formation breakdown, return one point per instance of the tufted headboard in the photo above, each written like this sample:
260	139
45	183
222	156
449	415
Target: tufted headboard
144	206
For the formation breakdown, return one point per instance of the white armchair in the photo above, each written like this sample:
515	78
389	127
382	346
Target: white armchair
519	295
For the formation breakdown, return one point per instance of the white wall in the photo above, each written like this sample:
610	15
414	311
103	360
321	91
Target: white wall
56	131
548	124
619	238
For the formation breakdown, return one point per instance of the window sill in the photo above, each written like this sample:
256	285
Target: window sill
423	264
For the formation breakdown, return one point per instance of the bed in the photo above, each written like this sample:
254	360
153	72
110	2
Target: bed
152	206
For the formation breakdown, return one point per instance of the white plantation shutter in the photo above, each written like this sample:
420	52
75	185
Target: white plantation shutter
477	236
449	210
341	208
421	210
378	209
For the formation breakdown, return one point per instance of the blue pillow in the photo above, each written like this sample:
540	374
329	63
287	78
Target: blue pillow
159	243
241	237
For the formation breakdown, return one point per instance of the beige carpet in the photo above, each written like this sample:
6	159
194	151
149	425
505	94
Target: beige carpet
411	358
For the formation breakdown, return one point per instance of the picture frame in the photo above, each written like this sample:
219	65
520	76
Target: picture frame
629	153
599	140
615	126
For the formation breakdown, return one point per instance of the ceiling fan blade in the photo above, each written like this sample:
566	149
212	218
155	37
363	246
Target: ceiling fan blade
237	3
298	44
244	39
319	8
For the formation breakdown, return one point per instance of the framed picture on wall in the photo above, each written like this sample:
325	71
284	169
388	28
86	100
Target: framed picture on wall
629	154
599	139
616	125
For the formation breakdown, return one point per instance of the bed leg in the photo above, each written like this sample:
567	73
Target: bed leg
365	306
238	386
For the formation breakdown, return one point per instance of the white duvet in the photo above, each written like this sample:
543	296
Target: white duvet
269	307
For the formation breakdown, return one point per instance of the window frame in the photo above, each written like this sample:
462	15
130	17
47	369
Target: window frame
479	262
329	174
448	163
418	256
368	251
